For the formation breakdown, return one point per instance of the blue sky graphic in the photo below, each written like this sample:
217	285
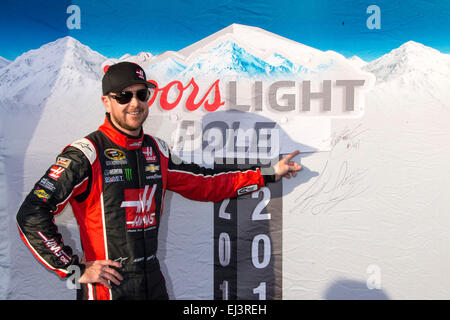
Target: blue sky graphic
115	28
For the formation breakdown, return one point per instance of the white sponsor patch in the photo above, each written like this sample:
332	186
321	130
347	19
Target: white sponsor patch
113	172
44	182
247	189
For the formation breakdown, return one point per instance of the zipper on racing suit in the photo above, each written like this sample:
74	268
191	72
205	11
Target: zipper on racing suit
141	186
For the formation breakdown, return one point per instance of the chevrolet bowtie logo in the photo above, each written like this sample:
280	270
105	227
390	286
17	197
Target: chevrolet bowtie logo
151	168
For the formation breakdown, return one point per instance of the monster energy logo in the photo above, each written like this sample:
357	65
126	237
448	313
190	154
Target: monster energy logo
128	174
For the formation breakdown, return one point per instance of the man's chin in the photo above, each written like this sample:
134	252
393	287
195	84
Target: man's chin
129	128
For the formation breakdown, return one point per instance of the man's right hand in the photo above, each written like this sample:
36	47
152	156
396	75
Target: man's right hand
100	271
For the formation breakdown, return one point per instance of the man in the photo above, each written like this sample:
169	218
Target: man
115	180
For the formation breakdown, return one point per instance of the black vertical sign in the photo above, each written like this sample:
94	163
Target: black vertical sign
225	250
248	245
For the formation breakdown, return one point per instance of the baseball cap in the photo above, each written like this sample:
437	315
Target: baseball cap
123	74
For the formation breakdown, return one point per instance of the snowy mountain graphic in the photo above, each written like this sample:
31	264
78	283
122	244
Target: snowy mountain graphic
412	62
357	61
412	72
229	59
57	69
167	69
4	62
241	52
66	65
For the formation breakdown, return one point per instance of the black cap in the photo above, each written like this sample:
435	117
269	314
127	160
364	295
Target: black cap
122	75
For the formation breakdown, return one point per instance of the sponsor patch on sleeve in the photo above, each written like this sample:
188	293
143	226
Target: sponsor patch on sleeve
47	184
63	162
41	194
55	172
85	146
247	189
55	248
163	147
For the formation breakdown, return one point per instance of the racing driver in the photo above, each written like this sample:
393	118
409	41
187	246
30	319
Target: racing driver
115	180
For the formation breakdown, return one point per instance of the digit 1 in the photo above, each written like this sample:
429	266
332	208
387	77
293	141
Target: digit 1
224	288
261	291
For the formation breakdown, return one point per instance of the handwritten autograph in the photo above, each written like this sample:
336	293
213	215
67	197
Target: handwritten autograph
324	194
332	186
348	136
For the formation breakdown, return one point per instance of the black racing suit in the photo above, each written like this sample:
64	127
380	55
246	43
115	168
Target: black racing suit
116	185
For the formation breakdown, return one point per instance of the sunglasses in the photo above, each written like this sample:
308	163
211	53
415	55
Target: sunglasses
124	97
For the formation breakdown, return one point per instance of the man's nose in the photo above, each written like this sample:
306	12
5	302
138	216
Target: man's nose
134	101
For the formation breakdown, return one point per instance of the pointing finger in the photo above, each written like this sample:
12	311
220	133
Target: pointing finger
292	154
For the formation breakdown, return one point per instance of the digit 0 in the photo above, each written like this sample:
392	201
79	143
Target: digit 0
224	244
255	251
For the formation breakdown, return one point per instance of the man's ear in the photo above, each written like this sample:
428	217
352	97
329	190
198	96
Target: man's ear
106	103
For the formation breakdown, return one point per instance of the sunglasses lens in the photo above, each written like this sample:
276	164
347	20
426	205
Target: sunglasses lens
143	94
124	97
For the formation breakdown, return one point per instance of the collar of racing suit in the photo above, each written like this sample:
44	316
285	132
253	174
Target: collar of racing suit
121	138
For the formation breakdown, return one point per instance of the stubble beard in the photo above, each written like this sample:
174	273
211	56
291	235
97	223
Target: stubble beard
124	125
